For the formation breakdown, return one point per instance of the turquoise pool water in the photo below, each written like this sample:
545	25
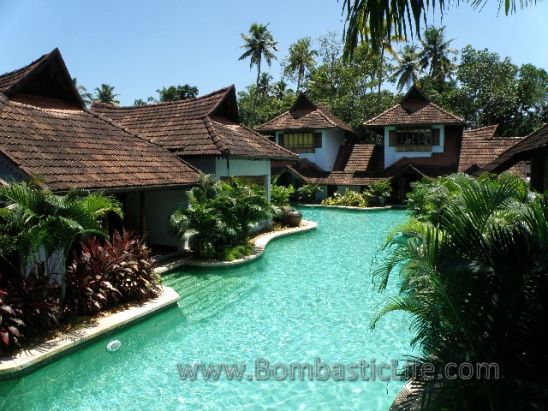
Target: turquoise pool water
309	296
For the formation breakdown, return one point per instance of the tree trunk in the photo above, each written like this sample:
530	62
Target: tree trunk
256	94
381	61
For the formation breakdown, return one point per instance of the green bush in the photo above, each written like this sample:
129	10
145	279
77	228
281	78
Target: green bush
308	192
280	195
220	215
240	251
350	199
378	192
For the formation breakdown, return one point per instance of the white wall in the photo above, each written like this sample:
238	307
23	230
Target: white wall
391	155
325	156
242	168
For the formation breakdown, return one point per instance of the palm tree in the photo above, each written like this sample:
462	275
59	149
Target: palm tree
279	89
36	219
408	69
474	281
85	95
258	44
400	17
300	60
264	85
105	94
436	55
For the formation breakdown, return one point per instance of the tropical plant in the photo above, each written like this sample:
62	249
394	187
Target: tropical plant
474	283
350	198
34	219
258	44
105	94
280	195
378	192
174	93
436	55
408	70
300	60
11	323
85	95
307	192
263	88
220	215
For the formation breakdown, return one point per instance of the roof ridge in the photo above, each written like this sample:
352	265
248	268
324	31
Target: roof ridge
446	111
384	112
216	138
38	60
269	141
272	119
480	128
163	103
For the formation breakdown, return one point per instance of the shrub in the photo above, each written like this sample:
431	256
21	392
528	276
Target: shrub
378	192
237	252
350	199
308	192
220	215
11	323
279	195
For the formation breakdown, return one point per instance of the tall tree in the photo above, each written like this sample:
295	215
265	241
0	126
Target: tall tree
301	58
279	89
85	95
174	93
258	44
437	55
408	68
401	17
263	87
105	94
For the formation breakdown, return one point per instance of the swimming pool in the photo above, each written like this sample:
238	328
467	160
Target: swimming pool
310	296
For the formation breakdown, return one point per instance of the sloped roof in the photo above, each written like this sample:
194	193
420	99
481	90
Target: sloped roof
70	147
49	69
480	147
204	126
414	109
538	140
305	115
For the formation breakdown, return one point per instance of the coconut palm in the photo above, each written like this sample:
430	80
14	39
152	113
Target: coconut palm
301	58
279	89
474	283
408	68
85	95
34	219
436	55
258	44
401	17
105	94
263	87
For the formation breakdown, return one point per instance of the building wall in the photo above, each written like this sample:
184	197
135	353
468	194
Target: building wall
159	205
391	155
244	168
325	156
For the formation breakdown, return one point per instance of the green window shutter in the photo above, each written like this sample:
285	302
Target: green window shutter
392	136
435	136
281	139
317	140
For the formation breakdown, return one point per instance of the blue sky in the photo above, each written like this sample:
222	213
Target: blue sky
140	46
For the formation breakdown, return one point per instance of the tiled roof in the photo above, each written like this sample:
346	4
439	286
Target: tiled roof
305	115
414	109
521	151
8	80
205	126
359	157
480	147
71	147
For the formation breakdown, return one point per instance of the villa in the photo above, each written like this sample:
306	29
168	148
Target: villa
48	136
419	139
204	132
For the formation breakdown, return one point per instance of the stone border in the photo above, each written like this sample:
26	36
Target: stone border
259	244
41	354
390	207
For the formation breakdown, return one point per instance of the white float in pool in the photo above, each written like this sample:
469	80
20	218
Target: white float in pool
114	345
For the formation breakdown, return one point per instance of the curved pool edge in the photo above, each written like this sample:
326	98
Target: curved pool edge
351	208
39	355
259	245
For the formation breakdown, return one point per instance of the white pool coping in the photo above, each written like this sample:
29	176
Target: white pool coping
40	354
259	244
390	207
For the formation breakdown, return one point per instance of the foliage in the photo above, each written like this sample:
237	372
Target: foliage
437	55
268	105
11	323
237	252
85	95
299	61
103	273
258	44
279	195
33	219
408	70
105	94
474	280
370	21
174	93
350	198
220	215
378	192
307	192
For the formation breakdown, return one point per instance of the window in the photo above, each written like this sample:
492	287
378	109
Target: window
306	142
414	139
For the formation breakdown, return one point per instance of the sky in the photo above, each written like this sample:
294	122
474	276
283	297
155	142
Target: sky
139	46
